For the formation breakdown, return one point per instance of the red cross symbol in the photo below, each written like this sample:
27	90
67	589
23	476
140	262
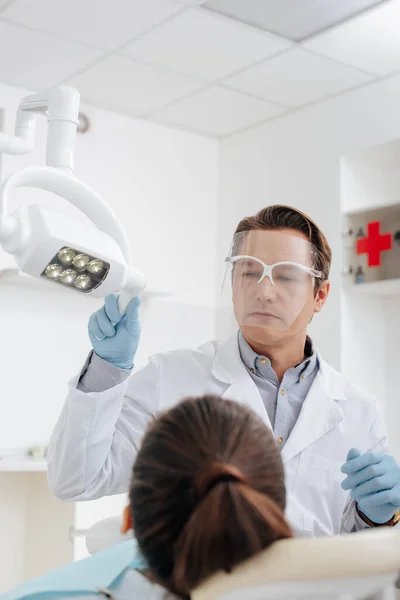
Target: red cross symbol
374	244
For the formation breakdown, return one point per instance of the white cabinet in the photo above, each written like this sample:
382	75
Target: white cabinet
39	532
86	514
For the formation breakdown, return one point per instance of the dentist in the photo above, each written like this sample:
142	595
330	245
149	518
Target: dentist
278	270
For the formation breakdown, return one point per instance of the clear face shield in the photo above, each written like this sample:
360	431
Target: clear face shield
271	278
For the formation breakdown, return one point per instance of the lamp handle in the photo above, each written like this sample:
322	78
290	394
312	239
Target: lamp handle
76	192
134	287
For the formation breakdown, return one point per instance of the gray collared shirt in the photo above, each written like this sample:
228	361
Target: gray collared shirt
99	375
283	400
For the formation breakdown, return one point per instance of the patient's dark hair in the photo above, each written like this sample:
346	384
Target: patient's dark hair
207	491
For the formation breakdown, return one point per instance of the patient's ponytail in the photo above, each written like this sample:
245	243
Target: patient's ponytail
207	491
231	523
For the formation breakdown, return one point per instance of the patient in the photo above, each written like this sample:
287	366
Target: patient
207	493
216	497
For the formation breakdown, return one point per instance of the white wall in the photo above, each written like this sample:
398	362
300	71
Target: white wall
163	185
295	159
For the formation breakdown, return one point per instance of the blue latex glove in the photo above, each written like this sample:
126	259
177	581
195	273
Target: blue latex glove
374	481
113	338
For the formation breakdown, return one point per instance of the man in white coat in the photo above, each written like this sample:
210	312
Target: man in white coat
278	268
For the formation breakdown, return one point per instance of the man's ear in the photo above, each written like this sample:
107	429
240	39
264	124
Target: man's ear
126	520
322	295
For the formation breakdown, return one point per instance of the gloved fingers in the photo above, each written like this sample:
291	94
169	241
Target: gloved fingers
94	328
352	453
379	498
111	308
132	323
133	329
364	475
378	484
104	323
365	460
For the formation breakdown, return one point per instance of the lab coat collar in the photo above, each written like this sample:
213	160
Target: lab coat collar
227	364
229	368
320	412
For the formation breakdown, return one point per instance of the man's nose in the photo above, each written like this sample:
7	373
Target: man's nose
266	290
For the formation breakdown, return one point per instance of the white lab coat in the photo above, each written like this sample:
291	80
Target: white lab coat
94	443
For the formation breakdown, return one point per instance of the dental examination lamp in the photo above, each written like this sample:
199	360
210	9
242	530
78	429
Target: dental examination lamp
93	260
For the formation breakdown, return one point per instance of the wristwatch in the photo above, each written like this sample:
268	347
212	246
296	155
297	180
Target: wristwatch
391	523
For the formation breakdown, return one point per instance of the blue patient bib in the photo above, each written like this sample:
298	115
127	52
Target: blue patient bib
83	578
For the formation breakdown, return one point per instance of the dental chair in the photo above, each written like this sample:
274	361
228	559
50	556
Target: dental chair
105	534
359	566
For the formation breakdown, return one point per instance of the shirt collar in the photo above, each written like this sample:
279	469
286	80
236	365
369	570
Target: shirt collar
261	365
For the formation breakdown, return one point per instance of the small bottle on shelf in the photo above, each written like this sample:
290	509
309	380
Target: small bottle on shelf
359	276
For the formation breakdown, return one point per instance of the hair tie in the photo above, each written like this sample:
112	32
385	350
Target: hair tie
217	473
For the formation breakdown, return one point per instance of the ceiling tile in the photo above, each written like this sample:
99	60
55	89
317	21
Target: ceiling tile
132	88
370	41
297	77
217	111
3	4
199	43
36	60
290	19
104	24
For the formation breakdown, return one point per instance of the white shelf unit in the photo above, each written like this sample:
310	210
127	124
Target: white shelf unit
32	518
383	289
370	316
22	465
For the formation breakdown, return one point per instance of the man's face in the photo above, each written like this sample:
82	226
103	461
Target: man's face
267	311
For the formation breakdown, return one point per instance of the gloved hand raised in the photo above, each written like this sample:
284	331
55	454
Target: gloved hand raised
374	481
116	339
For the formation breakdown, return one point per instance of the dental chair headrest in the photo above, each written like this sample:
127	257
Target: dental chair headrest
358	555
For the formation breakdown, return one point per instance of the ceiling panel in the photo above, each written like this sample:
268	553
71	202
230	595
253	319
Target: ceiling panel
132	88
181	48
217	111
36	60
3	3
206	45
290	18
370	42
297	77
103	24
